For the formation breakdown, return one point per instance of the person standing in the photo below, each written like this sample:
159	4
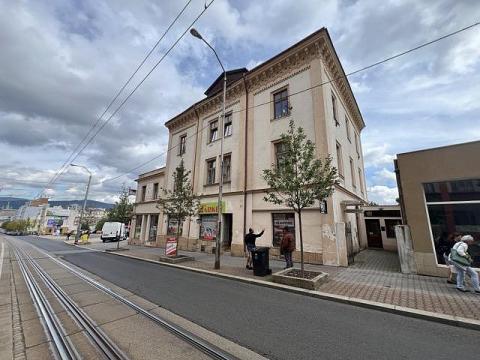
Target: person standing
250	245
462	261
287	247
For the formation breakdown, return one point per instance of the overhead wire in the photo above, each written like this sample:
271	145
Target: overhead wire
97	121
302	91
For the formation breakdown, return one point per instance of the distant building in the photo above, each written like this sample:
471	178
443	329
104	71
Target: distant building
440	194
6	215
305	83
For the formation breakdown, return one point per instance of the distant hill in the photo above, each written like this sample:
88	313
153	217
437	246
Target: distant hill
15	203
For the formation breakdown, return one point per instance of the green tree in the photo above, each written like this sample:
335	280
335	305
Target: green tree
180	203
299	179
99	225
123	209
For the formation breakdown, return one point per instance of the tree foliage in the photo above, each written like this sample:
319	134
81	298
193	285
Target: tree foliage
123	209
181	202
16	225
299	179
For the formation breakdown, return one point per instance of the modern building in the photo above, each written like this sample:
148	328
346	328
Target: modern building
380	222
305	83
440	194
6	215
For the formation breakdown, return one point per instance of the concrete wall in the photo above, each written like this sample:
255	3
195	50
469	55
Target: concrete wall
440	164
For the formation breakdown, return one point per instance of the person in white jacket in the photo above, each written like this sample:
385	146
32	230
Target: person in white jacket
461	247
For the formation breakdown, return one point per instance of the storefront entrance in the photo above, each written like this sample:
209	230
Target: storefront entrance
227	231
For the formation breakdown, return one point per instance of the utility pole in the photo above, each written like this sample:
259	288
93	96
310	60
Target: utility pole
219	237
79	227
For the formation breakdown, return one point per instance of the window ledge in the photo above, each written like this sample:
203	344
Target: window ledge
281	117
214	141
213	184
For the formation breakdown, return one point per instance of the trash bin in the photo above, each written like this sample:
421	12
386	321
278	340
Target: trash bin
260	257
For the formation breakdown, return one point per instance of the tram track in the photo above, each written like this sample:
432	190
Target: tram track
63	347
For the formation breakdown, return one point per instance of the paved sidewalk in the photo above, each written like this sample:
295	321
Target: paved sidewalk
375	276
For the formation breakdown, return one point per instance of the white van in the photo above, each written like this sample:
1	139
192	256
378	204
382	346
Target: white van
113	231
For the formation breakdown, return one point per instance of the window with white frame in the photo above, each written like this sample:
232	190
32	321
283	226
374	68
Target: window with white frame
454	206
211	168
213	133
227	126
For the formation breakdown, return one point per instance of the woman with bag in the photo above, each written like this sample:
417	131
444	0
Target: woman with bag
462	261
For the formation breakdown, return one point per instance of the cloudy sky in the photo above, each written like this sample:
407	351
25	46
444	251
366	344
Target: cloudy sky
61	62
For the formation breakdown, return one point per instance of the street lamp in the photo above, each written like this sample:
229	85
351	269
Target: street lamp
219	238
79	228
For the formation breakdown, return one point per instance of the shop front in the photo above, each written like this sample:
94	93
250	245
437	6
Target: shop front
440	196
208	220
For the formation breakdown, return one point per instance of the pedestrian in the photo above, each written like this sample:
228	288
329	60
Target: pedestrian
250	245
287	246
452	270
69	234
462	260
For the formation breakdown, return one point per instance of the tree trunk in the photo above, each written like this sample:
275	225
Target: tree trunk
302	266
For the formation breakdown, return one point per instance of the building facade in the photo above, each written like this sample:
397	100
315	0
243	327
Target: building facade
147	217
440	194
306	84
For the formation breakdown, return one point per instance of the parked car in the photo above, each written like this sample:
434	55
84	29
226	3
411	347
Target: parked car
113	231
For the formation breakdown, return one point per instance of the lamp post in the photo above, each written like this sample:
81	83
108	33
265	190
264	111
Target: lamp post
79	227
219	238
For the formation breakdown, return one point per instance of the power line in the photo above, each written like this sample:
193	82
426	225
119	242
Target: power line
304	90
143	80
94	125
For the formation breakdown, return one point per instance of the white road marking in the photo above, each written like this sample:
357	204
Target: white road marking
1	259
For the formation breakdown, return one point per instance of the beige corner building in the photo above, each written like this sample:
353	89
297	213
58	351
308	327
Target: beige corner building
440	195
305	83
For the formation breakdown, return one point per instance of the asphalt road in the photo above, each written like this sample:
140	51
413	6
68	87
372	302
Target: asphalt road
279	324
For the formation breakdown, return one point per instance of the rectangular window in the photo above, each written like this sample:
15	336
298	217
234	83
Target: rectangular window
155	191
208	227
280	104
183	145
227	164
138	227
227	125
339	160
144	192
152	233
360	179
334	109
390	227
211	167
280	221
213	135
347	126
454	206
352	173
172	227
280	153
357	145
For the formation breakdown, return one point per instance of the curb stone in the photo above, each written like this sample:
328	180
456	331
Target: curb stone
394	309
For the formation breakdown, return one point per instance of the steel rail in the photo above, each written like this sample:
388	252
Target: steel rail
209	349
108	348
63	347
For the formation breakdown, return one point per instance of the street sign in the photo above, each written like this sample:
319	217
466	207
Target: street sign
171	247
